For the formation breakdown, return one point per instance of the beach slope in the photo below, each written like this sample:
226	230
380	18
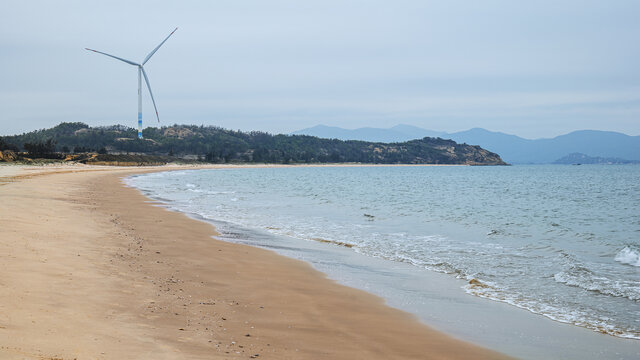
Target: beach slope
92	269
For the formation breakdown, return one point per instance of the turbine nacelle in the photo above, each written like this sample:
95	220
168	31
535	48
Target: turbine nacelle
141	73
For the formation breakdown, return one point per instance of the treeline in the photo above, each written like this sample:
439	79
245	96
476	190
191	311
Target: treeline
218	145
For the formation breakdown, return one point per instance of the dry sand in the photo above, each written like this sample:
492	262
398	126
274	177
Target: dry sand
90	269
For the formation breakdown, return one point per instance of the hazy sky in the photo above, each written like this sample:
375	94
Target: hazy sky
536	69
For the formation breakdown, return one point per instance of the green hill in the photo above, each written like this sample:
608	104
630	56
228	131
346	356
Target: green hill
217	145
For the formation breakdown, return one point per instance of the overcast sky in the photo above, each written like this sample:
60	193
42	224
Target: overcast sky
536	69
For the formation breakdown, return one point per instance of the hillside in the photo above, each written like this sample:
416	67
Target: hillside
214	144
513	149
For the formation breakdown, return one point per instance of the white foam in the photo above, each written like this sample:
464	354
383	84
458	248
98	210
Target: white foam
577	317
601	284
628	256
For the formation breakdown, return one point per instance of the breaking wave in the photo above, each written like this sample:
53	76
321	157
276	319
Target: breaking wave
628	256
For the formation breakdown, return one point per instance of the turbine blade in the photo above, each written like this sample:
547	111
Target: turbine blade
115	57
146	79
157	47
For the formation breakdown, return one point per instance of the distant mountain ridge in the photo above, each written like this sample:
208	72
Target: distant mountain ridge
513	149
398	133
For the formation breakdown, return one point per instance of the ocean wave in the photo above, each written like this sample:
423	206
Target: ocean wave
207	192
583	278
628	256
334	242
489	290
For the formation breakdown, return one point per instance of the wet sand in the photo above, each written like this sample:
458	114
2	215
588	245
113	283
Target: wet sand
92	269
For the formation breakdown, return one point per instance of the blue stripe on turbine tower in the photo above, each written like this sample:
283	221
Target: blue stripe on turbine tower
141	73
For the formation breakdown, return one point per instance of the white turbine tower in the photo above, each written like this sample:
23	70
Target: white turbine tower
141	72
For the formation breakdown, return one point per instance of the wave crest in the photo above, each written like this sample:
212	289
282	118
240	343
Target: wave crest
585	279
628	256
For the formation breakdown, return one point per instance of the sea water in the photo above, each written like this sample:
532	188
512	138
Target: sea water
558	241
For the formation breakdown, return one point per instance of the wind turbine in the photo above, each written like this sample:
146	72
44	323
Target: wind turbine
141	73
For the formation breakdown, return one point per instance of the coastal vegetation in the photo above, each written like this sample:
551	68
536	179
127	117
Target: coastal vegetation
217	145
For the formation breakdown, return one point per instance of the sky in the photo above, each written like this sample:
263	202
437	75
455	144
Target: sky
531	68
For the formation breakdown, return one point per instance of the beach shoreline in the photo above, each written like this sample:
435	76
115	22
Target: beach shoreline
93	269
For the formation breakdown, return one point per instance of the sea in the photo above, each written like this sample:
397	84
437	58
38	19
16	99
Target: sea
559	242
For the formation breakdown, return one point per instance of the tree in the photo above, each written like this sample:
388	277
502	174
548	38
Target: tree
46	150
7	146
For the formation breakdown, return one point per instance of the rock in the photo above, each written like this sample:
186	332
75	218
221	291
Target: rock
8	156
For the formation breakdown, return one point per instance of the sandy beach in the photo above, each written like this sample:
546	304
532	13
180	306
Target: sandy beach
92	269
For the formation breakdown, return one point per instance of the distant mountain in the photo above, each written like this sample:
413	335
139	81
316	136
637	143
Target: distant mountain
512	149
578	158
517	150
398	133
